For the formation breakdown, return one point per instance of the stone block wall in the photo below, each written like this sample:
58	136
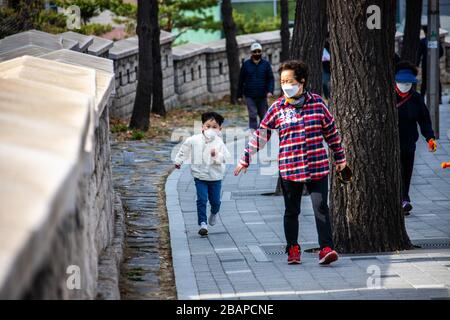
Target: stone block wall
190	73
84	233
75	230
181	89
168	71
125	71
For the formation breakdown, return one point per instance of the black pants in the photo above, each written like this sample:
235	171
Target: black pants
407	166
292	193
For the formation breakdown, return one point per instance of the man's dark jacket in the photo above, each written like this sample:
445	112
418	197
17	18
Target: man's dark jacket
255	80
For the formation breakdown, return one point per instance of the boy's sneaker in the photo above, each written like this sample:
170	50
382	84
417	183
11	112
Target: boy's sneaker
294	254
407	207
212	219
203	229
327	256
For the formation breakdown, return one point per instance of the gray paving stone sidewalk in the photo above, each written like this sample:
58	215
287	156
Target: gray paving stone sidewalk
243	255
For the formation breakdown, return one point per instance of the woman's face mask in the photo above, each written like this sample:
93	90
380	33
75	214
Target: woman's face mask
404	87
290	90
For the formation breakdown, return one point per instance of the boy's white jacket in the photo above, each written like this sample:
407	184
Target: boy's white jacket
197	149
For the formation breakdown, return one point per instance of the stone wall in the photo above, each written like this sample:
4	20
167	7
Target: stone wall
82	235
58	218
190	76
124	53
181	65
193	73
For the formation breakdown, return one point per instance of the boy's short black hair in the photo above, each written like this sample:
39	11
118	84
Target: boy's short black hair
211	115
406	65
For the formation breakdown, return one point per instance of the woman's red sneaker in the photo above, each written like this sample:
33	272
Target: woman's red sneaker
294	255
327	256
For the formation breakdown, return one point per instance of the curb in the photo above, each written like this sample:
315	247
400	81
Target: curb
185	281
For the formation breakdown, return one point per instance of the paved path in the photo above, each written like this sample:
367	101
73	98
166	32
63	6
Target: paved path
243	256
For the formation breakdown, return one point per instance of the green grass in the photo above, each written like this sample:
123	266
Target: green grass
263	9
119	128
137	135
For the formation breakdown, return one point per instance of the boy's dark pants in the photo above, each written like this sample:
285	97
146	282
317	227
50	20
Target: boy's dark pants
207	190
292	193
407	166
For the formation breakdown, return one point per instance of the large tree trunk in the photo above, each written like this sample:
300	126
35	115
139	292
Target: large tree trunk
366	213
309	37
229	28
411	37
158	96
140	119
284	30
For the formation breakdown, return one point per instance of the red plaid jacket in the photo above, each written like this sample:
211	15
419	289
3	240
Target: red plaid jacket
302	155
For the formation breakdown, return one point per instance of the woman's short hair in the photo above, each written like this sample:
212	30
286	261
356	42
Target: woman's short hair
299	67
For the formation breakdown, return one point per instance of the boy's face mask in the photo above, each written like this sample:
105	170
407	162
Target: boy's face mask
404	87
211	134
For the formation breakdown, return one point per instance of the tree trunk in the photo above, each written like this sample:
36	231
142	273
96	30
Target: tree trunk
411	37
309	37
158	96
229	28
140	119
366	214
284	30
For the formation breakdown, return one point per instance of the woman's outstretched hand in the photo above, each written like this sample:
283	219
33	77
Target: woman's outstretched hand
341	166
239	168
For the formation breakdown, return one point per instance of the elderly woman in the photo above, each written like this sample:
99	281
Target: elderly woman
303	122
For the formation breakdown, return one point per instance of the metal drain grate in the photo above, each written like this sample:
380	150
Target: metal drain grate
250	194
277	250
439	243
280	250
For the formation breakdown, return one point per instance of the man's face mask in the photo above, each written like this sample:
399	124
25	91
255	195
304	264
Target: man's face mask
256	55
404	87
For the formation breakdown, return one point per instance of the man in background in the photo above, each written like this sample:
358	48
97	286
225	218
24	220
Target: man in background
256	84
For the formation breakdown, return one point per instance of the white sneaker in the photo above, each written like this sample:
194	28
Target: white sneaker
203	229
212	219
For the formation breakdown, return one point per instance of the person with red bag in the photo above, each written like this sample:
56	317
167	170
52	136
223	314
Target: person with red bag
411	111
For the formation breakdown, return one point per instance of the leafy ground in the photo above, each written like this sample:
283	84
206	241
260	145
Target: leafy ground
161	128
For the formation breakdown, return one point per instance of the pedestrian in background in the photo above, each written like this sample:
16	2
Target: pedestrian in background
412	111
256	84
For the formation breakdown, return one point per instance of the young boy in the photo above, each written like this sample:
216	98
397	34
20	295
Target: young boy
208	155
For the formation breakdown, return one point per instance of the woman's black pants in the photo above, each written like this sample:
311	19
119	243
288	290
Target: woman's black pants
292	193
